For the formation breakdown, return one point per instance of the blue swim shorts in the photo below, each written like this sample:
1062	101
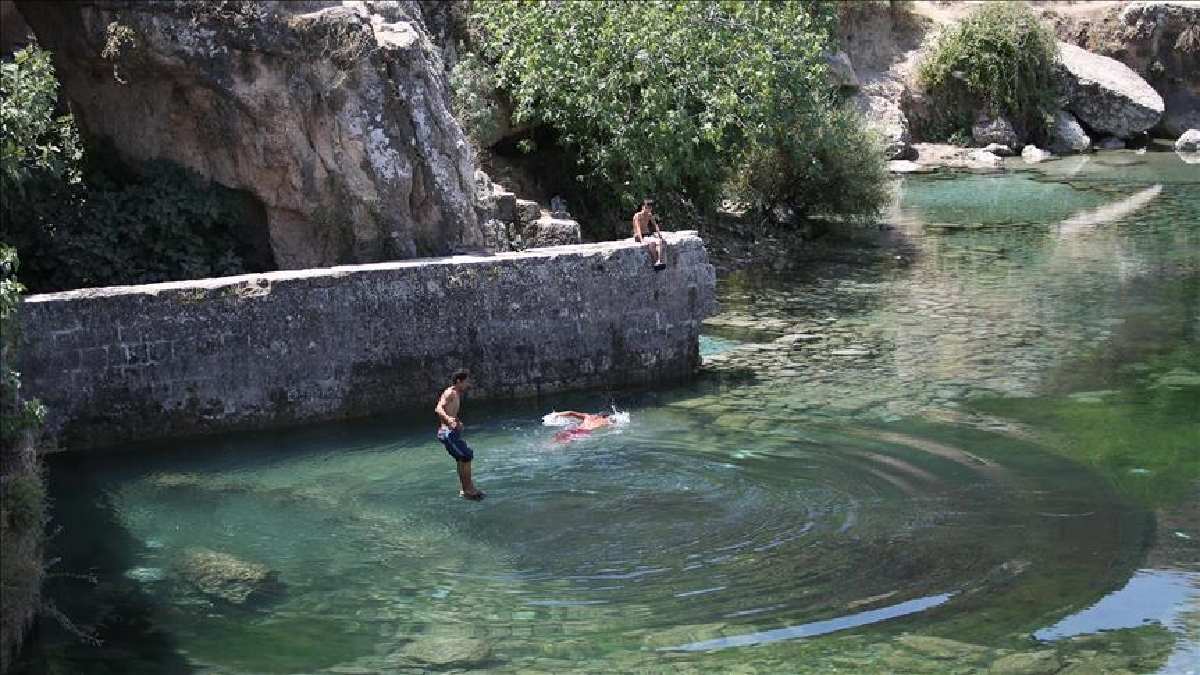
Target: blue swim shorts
455	445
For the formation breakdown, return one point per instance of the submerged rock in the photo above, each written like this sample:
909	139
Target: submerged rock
447	651
941	648
1041	662
1179	378
1105	94
1067	136
1189	141
677	636
225	577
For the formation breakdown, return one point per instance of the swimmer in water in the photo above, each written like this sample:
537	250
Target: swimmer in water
587	424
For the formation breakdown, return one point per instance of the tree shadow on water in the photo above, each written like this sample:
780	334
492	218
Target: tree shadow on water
87	584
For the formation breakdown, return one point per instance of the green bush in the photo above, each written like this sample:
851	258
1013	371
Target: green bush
1000	60
22	491
35	144
78	225
16	415
163	226
24	502
669	98
828	167
473	91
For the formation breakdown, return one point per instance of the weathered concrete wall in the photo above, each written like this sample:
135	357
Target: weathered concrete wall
130	363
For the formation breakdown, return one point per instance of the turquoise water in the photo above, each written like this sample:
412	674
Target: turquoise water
979	449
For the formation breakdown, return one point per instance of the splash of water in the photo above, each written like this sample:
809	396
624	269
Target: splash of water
556	419
553	419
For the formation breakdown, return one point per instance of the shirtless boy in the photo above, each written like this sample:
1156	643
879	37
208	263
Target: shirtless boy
643	221
450	432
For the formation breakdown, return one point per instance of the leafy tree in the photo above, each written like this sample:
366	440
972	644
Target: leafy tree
999	59
22	490
474	98
669	97
825	165
16	415
35	144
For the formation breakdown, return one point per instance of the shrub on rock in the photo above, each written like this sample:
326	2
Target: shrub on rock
999	60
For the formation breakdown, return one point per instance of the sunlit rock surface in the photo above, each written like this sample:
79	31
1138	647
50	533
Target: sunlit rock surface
1107	95
334	116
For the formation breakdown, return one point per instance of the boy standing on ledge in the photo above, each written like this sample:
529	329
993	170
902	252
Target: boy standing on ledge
643	220
450	432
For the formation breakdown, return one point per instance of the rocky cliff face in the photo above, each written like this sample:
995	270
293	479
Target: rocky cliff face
1126	68
334	115
1160	41
881	44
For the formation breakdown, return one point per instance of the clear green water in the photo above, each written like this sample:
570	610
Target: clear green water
985	452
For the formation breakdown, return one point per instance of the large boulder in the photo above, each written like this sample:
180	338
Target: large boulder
1189	141
334	115
1066	136
1160	41
982	159
1105	94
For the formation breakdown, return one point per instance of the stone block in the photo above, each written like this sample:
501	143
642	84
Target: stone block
528	210
504	206
551	231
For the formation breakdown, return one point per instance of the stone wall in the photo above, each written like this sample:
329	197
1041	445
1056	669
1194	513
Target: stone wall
130	363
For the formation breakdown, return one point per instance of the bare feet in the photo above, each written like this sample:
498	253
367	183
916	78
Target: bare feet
475	496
